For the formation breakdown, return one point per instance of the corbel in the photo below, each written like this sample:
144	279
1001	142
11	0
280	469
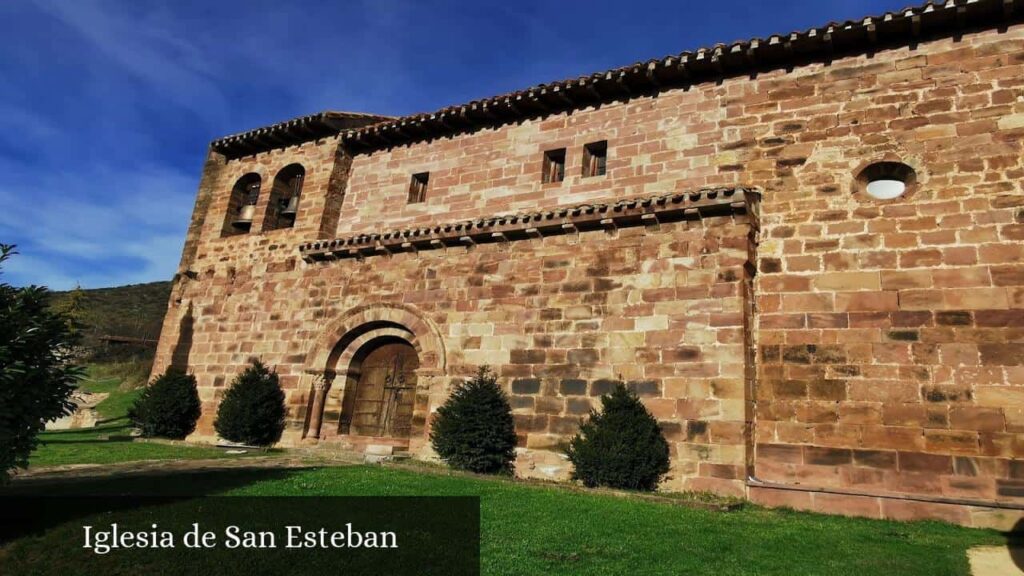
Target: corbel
650	221
574	233
609	226
501	239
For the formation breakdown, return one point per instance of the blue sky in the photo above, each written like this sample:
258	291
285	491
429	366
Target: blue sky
106	108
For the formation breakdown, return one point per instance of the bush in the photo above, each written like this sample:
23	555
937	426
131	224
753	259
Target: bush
474	429
621	446
37	376
169	407
252	411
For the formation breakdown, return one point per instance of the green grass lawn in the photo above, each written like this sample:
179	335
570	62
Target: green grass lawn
109	441
118	402
526	529
529	529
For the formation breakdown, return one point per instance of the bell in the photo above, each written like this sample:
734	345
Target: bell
244	217
292	207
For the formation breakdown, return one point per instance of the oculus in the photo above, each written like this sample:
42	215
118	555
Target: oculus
886	180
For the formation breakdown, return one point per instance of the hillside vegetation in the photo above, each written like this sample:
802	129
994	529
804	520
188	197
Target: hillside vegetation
135	311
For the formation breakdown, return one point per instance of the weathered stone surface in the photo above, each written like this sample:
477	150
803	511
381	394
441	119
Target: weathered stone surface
877	347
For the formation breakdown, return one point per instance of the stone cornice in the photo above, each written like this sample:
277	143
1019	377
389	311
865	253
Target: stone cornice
646	211
294	131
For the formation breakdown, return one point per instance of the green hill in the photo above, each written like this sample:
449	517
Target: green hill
133	311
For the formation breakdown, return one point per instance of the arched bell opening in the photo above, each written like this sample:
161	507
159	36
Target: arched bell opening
284	198
242	205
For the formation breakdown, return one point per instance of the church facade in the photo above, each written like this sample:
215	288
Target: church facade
805	253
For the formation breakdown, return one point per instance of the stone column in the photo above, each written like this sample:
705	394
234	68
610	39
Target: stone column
320	387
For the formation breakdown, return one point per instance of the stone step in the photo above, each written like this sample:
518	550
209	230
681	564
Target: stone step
379	450
394	456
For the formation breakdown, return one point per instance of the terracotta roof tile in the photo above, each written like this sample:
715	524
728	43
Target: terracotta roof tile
294	131
912	24
629	211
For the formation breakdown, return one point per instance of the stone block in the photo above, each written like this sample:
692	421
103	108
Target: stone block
572	387
847	281
601	387
923	462
526	386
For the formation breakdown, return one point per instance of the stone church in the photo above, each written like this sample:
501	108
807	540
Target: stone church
805	253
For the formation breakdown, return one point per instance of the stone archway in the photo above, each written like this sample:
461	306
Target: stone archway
335	365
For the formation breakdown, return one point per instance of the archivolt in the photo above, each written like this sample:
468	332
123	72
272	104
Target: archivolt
347	333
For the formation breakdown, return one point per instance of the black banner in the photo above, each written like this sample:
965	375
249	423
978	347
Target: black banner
240	535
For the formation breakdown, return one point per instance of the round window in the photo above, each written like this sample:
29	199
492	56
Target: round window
886	180
885	189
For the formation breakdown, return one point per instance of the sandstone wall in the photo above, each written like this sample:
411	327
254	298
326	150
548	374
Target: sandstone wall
888	333
560	319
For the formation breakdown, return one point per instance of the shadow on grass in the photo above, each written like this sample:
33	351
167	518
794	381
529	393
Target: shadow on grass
124	422
114	439
31	507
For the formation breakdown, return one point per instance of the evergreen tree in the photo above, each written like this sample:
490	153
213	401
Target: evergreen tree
252	411
621	446
474	429
72	308
169	407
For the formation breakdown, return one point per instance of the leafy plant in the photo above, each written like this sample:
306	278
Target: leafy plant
71	307
169	407
474	429
37	376
252	411
621	446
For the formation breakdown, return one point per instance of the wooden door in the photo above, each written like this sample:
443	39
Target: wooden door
385	392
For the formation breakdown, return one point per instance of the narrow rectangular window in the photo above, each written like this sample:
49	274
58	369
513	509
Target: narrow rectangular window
595	159
418	187
554	166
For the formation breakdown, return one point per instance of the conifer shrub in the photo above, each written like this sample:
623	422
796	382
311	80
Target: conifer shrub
252	411
168	407
474	429
621	446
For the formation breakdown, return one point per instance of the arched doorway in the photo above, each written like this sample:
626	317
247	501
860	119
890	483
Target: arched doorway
338	358
380	403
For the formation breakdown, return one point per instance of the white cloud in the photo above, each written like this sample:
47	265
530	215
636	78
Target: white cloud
111	228
149	47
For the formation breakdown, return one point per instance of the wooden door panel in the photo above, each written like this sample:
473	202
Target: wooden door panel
385	392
